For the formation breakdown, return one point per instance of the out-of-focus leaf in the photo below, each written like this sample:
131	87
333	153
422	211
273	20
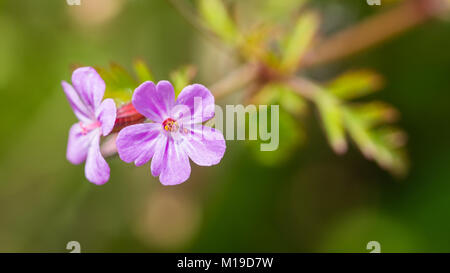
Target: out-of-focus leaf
385	146
182	77
291	136
280	9
292	102
355	84
269	94
216	16
331	114
119	83
142	71
299	40
390	154
393	136
277	93
374	113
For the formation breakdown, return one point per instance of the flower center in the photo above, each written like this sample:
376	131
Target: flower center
86	128
170	125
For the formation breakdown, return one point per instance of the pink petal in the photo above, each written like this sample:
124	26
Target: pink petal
78	107
96	170
89	86
206	148
160	156
176	168
78	144
138	142
199	100
106	114
154	102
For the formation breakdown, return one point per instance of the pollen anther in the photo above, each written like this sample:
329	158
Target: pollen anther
170	125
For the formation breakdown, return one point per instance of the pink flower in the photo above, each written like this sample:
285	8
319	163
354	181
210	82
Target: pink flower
96	118
176	133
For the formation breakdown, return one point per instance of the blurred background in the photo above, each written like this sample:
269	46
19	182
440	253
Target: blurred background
314	201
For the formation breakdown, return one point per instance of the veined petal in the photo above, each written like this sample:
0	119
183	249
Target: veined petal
89	86
78	144
106	114
166	90
97	170
154	102
160	155
78	107
138	142
176	168
199	100
205	147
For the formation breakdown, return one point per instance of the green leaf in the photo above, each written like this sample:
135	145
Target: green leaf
355	84
279	9
119	83
216	17
142	71
269	94
331	114
374	113
182	77
278	93
299	40
292	102
383	145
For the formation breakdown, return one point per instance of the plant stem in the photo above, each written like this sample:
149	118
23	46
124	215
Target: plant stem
235	80
375	30
303	87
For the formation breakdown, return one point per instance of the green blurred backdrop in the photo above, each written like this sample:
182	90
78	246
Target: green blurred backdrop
314	202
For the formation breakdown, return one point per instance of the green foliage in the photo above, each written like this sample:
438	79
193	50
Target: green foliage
299	41
384	144
282	53
182	77
216	17
119	83
143	73
292	134
277	93
333	123
277	9
364	122
355	84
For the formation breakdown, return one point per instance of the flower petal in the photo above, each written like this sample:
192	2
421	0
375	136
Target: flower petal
78	144
106	114
96	170
205	147
199	100
89	86
160	156
78	107
176	168
154	102
138	142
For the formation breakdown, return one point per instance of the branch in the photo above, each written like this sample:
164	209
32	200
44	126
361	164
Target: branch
235	80
375	30
303	87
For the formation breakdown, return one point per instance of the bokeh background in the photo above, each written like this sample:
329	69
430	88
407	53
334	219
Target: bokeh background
314	202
